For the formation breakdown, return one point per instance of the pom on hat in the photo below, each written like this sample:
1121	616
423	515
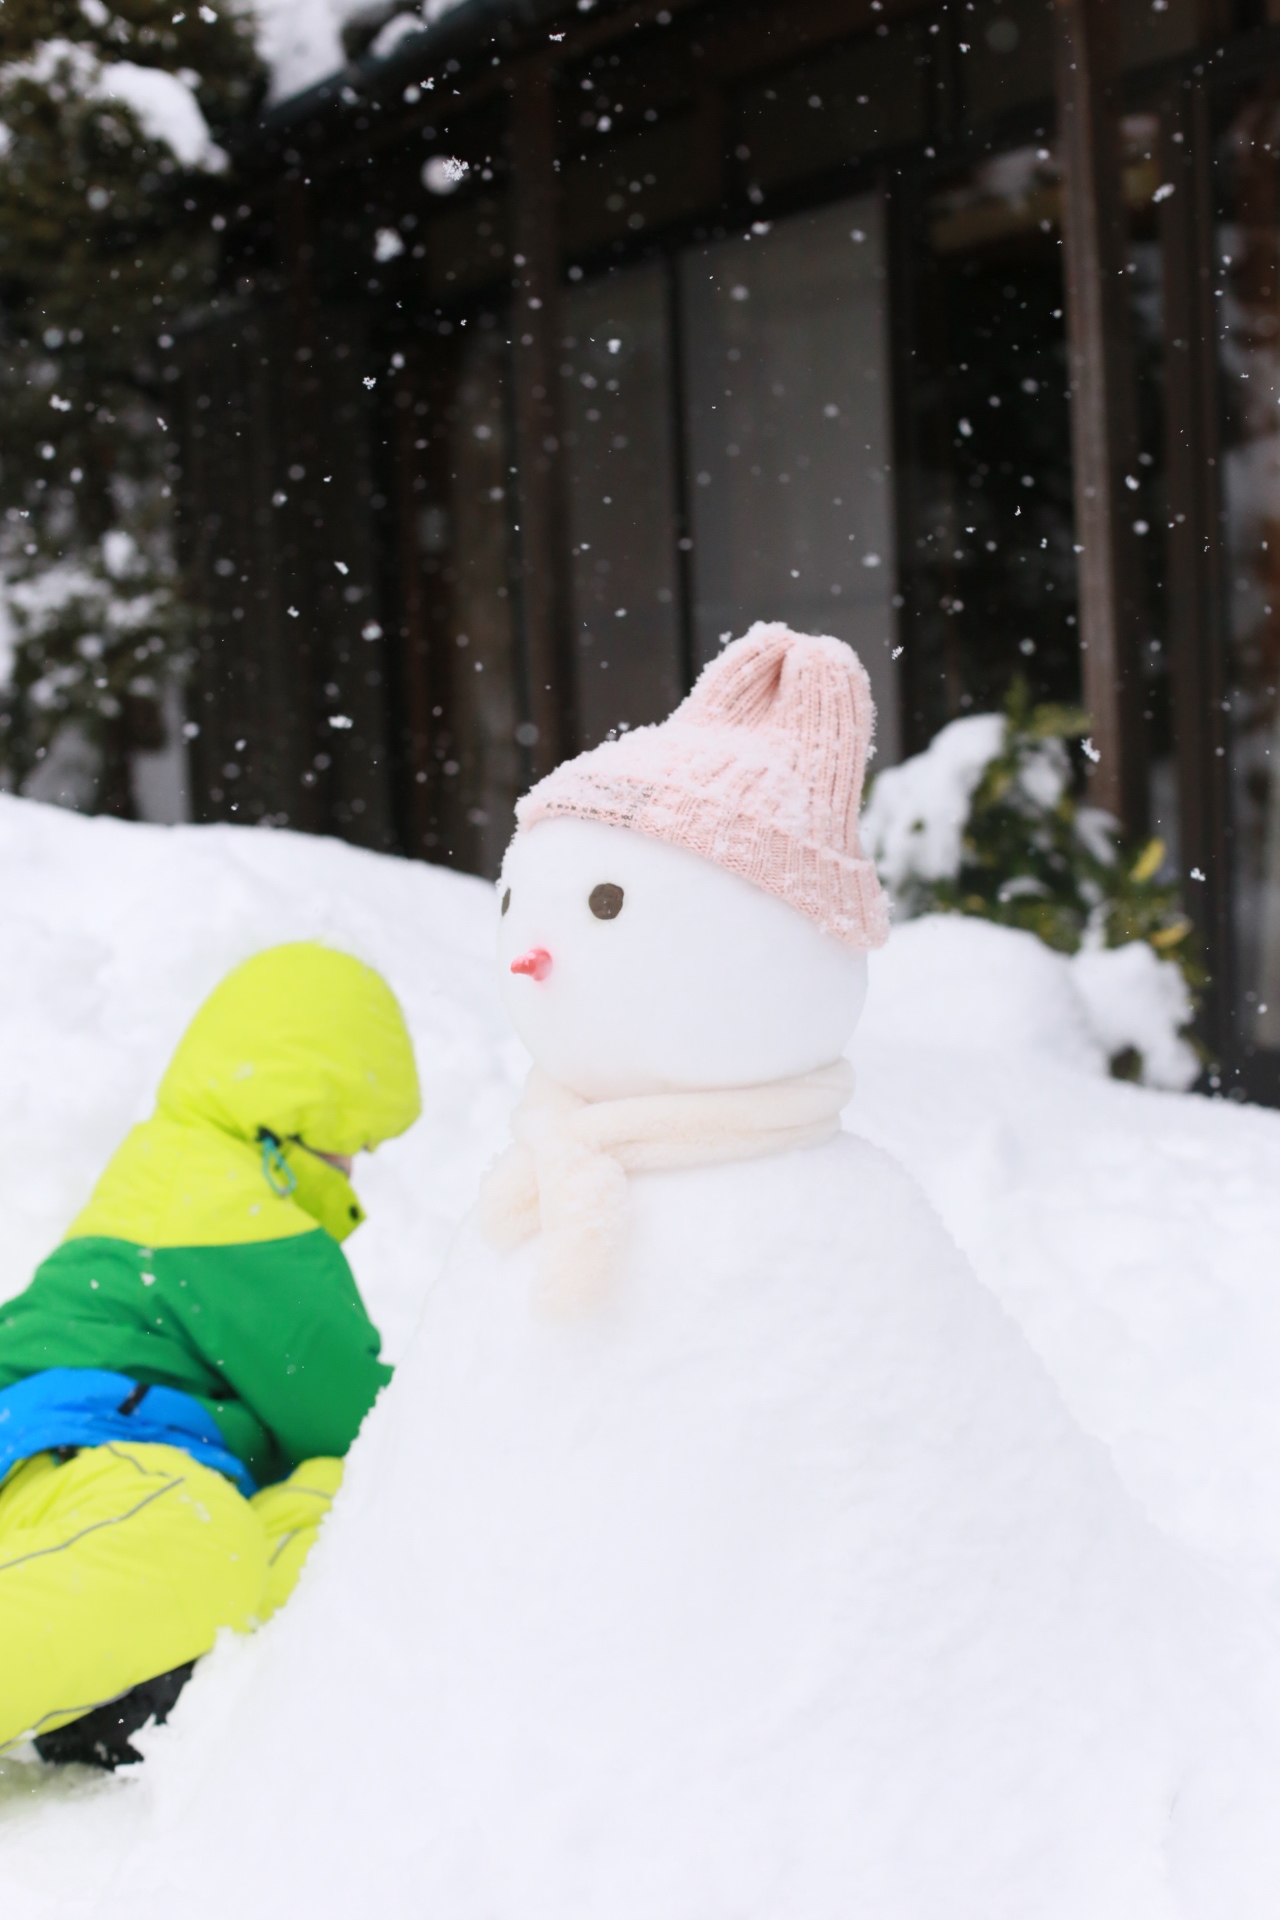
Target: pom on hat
759	769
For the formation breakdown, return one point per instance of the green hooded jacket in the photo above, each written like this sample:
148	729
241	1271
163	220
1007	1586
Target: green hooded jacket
207	1258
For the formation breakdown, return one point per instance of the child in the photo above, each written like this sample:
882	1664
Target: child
181	1379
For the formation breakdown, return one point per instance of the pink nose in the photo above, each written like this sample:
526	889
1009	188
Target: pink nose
537	963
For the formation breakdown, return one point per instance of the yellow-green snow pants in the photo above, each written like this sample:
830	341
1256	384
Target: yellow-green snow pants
125	1561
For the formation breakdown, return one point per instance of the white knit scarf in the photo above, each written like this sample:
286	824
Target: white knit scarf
566	1172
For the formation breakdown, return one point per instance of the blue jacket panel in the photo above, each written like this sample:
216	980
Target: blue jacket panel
83	1407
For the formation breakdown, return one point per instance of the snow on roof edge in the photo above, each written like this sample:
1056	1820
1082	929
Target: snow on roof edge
452	32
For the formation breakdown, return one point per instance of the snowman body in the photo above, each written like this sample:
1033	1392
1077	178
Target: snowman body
782	1584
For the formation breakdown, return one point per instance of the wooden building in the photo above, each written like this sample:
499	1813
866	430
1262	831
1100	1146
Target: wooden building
559	339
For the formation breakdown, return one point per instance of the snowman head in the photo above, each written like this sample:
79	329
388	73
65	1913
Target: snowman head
632	966
687	907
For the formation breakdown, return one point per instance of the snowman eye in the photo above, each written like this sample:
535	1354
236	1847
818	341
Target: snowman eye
506	900
605	901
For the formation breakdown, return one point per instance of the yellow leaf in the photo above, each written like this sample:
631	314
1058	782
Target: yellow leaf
1149	860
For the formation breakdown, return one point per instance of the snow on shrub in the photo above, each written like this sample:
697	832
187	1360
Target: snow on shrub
163	103
915	820
1139	1005
986	822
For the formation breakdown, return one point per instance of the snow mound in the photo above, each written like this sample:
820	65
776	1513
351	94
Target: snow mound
957	981
960	983
1129	1234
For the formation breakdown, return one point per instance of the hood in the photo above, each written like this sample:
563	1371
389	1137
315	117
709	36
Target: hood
302	1042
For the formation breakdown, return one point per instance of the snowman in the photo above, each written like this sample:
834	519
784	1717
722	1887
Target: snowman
721	1551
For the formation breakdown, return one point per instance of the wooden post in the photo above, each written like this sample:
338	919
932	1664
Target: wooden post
1195	584
413	649
544	560
1103	437
303	790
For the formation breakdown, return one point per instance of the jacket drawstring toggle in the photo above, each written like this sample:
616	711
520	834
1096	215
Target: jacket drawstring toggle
276	1171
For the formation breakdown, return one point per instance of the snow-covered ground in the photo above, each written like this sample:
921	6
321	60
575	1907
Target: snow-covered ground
1130	1233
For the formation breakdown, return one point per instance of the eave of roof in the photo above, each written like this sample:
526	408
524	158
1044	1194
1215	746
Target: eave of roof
511	28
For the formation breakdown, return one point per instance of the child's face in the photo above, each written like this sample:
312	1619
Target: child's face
342	1161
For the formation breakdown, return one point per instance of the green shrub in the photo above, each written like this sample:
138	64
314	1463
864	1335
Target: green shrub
1029	854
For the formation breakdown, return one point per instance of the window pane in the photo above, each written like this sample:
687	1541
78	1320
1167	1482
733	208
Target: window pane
788	423
618	404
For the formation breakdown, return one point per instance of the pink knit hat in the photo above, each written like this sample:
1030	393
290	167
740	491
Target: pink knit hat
759	769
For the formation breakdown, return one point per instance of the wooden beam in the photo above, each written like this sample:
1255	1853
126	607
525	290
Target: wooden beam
544	560
737	48
1103	436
